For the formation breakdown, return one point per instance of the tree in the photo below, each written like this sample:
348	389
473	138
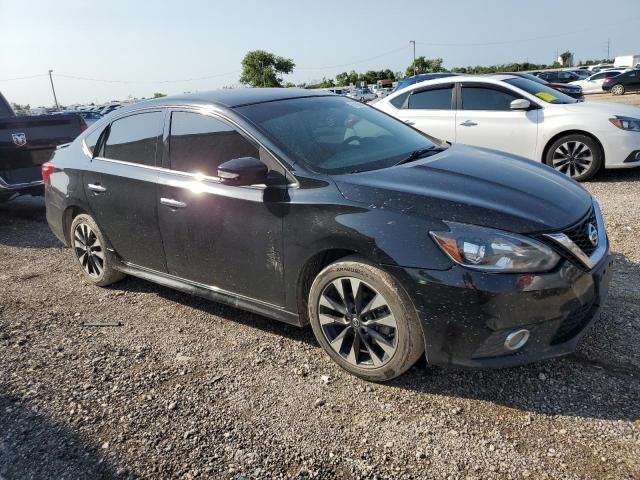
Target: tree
20	108
264	69
159	95
425	65
566	58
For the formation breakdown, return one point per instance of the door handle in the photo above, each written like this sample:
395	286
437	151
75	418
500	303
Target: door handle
409	122
171	203
468	123
96	187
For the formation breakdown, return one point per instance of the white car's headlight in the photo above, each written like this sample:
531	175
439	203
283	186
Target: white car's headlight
626	123
482	248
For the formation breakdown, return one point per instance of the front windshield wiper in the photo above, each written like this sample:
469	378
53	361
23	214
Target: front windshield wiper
421	153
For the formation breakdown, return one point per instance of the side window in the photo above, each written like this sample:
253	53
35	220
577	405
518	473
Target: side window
91	140
483	98
433	99
398	101
134	138
199	143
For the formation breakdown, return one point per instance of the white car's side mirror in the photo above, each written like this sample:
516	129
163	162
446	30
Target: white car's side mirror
520	104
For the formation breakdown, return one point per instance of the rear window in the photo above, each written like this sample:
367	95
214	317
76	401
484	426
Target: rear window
432	99
133	139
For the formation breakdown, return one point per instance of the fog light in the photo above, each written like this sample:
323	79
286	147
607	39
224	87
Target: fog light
516	340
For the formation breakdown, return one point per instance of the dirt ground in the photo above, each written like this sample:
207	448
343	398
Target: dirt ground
180	387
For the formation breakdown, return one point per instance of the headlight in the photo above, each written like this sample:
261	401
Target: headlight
626	123
491	250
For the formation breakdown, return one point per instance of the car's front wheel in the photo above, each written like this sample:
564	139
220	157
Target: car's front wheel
618	89
365	320
89	249
577	156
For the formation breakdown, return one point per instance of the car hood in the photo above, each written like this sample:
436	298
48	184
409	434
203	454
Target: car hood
473	185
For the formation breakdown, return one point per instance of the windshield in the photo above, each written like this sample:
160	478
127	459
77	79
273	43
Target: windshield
544	93
533	78
335	134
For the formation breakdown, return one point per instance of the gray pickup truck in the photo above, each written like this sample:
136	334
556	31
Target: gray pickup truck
26	142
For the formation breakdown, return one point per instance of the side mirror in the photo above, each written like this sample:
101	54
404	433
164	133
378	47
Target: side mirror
243	172
520	104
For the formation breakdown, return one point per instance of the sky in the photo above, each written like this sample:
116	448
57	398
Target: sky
115	49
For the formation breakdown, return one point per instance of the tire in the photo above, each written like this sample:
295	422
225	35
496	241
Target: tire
617	89
577	156
88	246
383	339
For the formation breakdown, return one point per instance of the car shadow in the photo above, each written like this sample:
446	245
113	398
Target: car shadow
34	447
21	224
616	175
567	386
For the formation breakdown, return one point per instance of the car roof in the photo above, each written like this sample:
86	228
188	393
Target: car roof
235	97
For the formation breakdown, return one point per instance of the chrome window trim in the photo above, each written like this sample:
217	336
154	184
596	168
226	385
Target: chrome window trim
598	253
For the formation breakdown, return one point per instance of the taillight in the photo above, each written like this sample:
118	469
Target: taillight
47	170
83	125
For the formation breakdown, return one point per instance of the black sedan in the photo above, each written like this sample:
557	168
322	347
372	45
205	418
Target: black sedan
316	209
625	82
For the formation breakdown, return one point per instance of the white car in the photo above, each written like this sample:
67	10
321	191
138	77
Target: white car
519	116
362	94
593	84
383	92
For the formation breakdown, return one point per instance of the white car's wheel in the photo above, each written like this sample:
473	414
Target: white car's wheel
576	156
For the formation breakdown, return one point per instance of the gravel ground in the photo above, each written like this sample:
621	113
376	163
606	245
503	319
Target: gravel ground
180	387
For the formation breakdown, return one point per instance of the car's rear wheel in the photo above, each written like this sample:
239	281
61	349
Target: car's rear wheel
617	89
364	320
577	156
89	249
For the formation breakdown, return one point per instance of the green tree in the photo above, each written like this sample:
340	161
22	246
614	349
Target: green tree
264	69
20	108
159	95
425	65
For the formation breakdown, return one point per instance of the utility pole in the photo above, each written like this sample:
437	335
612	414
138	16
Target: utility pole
55	99
414	56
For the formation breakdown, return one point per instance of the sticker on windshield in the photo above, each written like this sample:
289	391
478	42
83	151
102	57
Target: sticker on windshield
547	97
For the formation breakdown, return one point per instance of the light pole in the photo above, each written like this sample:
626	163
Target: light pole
414	56
55	99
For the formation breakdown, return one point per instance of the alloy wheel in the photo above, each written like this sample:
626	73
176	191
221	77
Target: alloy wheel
617	90
357	322
88	250
572	158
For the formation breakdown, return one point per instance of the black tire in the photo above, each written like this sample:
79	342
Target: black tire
408	340
574	164
617	89
96	270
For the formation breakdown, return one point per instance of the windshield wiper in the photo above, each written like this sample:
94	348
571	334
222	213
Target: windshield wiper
421	153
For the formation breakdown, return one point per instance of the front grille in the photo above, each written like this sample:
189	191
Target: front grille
578	233
574	323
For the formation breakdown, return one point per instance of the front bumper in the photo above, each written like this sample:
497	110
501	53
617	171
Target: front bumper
466	315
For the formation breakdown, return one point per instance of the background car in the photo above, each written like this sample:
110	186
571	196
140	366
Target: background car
383	92
362	94
405	82
558	76
525	118
593	84
625	82
571	90
89	117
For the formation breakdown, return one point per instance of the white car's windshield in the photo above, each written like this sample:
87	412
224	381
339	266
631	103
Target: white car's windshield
544	93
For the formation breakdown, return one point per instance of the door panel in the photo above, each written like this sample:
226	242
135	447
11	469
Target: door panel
221	236
126	211
486	120
431	111
121	188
